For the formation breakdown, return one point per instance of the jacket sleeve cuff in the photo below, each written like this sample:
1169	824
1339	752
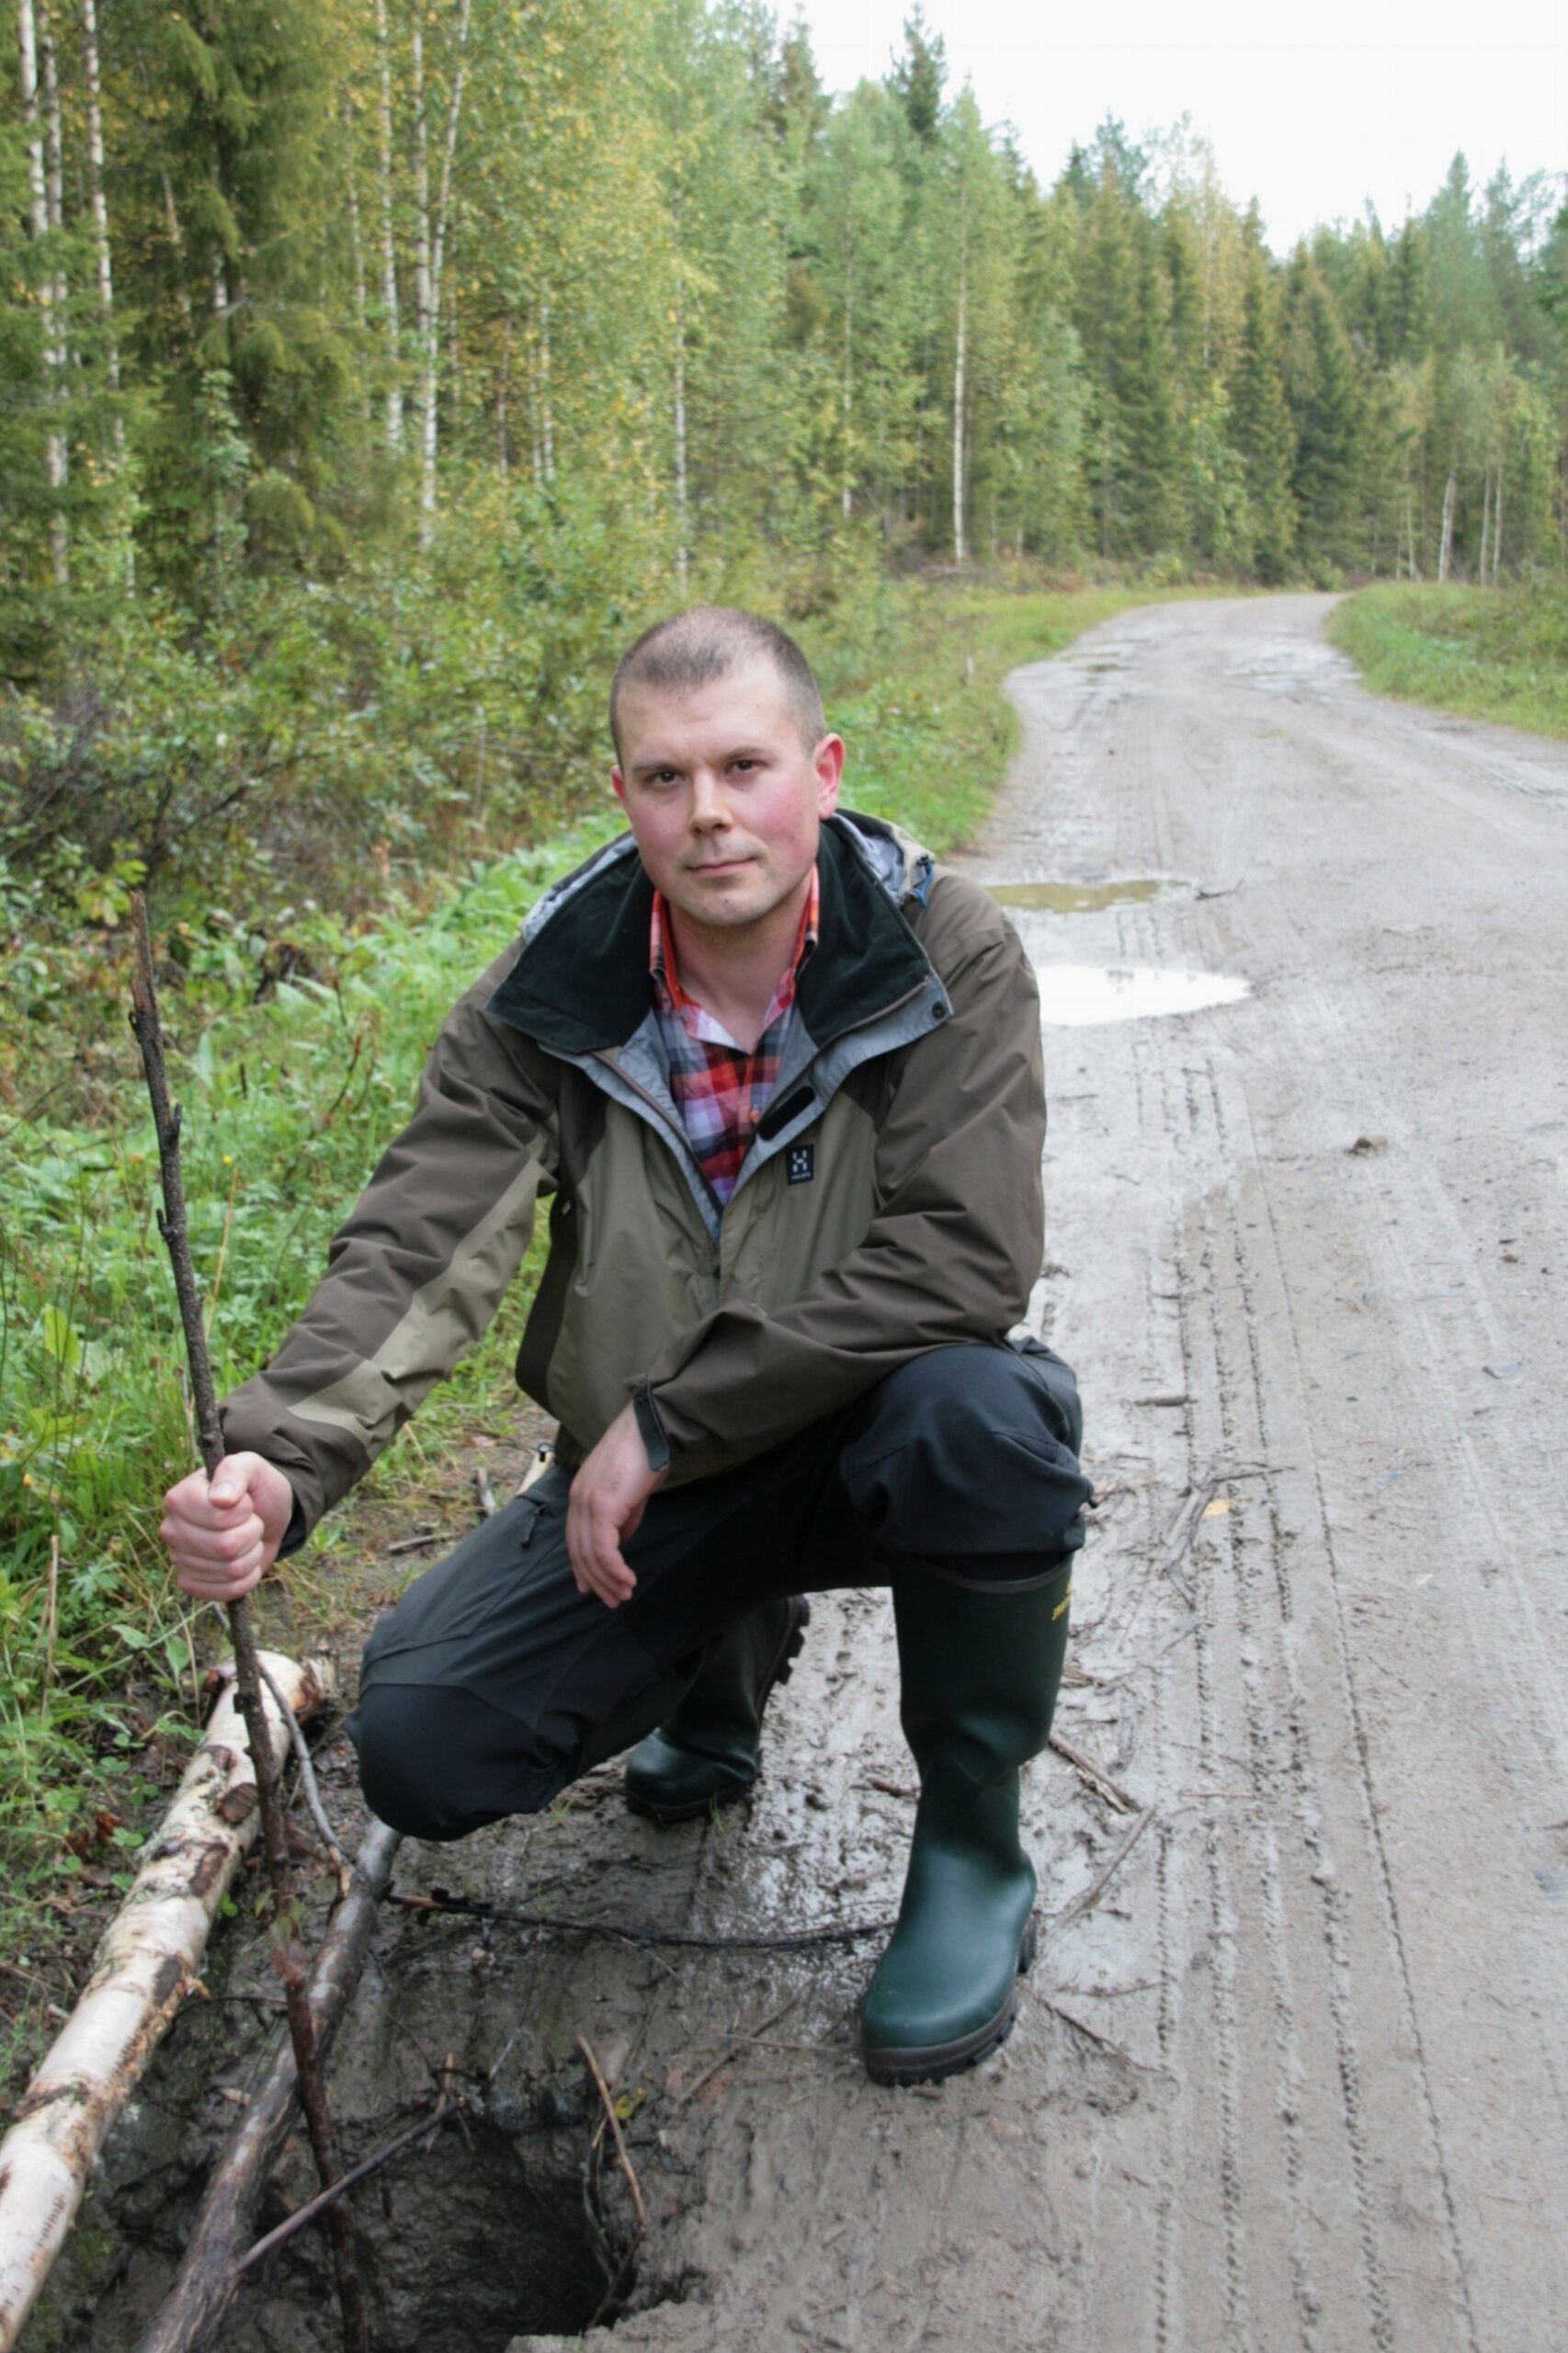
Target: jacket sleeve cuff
651	1429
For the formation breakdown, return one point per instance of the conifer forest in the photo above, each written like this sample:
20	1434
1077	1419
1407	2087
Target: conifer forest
372	367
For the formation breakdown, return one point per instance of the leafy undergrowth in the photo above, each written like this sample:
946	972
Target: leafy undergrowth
1489	654
288	1101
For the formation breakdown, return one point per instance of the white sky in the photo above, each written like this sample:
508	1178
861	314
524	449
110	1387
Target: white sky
1311	108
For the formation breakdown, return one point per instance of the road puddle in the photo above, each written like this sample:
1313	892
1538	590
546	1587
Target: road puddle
1075	997
1085	898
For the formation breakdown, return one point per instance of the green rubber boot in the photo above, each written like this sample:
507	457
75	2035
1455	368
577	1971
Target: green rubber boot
979	1672
706	1753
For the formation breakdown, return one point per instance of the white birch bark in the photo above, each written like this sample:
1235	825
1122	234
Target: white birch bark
845	492
421	197
388	241
99	203
356	241
536	438
432	248
959	359
1497	523
55	156
503	457
682	549
1446	544
546	407
54	463
1485	519
144	1967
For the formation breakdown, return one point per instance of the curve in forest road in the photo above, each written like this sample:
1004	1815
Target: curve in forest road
1289	2074
1299	2079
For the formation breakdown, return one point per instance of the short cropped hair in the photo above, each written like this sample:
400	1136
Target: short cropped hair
691	649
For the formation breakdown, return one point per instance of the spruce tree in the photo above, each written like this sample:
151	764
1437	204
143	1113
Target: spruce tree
1260	424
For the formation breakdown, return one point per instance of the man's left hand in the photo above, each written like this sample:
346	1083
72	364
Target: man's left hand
609	1497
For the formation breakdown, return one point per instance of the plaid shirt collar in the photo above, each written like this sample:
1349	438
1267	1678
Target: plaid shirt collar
698	1023
720	1090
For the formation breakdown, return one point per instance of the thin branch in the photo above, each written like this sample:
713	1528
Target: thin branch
1095	1775
1097	1887
628	2168
733	2051
148	1030
361	2172
790	1940
308	1780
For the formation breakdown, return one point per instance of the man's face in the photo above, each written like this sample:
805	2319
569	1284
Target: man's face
722	796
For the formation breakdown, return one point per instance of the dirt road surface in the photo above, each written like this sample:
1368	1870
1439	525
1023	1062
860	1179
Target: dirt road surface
1297	2078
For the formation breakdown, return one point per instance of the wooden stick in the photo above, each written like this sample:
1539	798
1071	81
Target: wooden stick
627	2168
307	1782
1095	1775
361	2172
144	1968
225	2225
148	1033
1096	1888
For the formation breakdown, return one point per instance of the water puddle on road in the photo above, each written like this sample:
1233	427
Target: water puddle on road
1075	997
1085	898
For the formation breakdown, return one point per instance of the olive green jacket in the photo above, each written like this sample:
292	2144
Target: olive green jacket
890	1202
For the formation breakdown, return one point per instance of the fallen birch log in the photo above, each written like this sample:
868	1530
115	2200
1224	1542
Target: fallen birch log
209	2268
144	1966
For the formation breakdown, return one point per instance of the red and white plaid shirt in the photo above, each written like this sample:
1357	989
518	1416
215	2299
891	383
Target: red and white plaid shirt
720	1090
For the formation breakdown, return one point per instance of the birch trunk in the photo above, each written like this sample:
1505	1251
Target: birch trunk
54	153
546	408
356	242
1446	544
388	242
432	247
1498	525
37	222
1485	520
536	437
143	1969
421	208
959	358
100	205
502	456
681	559
845	497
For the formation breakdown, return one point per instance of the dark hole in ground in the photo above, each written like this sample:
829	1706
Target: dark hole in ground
464	2246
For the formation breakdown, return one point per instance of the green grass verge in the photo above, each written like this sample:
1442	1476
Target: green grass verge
1489	654
288	1103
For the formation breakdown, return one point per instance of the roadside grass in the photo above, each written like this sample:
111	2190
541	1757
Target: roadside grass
1487	652
287	1103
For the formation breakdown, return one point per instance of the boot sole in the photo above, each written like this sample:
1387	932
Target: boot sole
669	1816
928	2066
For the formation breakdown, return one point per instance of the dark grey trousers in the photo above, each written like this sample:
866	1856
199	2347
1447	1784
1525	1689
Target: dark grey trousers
484	1692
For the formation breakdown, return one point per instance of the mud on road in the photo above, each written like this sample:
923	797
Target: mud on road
1297	2078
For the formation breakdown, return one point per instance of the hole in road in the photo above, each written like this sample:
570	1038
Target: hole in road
1075	996
1085	898
464	2245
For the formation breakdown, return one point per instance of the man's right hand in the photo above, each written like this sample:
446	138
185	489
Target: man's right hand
223	1537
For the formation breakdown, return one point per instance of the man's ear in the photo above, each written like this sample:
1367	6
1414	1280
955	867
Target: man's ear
827	762
619	781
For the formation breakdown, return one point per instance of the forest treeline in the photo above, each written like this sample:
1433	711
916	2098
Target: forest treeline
372	367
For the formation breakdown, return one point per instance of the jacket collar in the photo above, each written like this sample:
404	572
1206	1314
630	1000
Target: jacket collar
580	984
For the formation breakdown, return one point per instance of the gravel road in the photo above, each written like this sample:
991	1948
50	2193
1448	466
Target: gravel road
1296	2078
